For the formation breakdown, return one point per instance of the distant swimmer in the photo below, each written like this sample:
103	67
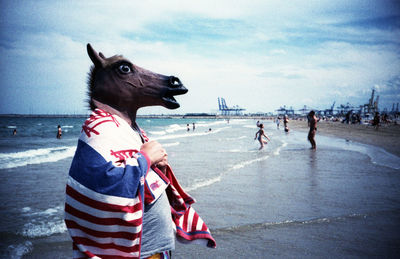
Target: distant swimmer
59	132
260	134
15	132
187	126
194	126
312	122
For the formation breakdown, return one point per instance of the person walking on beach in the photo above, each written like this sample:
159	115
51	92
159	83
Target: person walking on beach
59	132
194	126
277	122
376	121
312	123
260	133
187	127
285	122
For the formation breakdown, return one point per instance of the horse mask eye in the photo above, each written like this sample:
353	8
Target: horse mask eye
124	69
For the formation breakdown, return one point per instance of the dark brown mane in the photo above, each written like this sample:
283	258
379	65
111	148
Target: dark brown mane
92	75
90	86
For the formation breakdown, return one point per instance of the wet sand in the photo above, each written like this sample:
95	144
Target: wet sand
386	137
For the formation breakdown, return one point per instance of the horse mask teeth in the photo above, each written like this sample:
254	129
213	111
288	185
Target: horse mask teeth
110	87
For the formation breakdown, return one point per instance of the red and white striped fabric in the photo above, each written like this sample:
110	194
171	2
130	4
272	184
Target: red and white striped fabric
189	225
102	226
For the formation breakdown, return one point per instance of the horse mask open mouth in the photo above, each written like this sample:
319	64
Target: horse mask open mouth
175	88
121	84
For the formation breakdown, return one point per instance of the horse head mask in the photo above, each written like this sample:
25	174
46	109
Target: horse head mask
117	82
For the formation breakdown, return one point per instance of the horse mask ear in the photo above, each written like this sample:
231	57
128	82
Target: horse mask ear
97	59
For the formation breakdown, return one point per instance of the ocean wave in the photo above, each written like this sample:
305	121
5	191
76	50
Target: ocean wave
278	149
171	144
190	134
248	162
377	155
43	229
43	222
286	223
35	156
231	139
250	126
157	132
19	250
203	183
175	127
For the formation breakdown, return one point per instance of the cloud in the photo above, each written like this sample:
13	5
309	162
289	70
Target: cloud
259	55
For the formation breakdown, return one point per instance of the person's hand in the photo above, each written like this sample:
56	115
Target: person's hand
162	165
154	151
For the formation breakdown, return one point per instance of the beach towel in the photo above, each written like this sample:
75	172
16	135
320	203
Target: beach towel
109	181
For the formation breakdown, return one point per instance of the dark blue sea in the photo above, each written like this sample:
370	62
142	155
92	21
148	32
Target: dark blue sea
285	201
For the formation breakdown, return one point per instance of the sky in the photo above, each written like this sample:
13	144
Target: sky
259	55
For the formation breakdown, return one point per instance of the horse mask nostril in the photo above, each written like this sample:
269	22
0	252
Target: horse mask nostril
174	82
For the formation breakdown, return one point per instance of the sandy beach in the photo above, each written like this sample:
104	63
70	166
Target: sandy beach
386	137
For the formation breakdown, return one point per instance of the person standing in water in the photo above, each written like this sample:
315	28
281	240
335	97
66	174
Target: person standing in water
312	122
59	132
260	134
278	120
285	123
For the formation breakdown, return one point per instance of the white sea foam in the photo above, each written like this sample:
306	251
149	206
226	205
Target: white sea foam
43	222
377	155
11	127
175	127
157	132
231	139
294	222
189	134
171	144
203	183
19	250
233	151
35	156
248	162
278	149
26	209
67	126
43	229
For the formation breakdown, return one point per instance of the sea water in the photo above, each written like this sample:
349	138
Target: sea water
283	188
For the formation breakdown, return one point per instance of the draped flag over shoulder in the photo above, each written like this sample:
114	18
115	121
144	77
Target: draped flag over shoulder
189	225
105	190
109	182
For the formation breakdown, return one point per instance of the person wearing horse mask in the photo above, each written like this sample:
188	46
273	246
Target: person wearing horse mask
122	197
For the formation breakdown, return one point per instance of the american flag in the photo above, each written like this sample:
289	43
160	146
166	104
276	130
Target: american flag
105	192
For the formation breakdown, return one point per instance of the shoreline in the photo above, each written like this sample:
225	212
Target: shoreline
386	137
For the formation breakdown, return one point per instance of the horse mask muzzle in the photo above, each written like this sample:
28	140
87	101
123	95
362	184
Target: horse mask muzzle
175	87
